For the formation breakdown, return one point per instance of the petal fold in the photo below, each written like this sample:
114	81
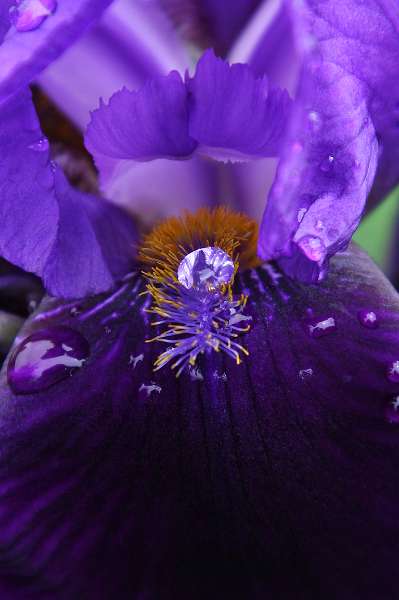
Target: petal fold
116	481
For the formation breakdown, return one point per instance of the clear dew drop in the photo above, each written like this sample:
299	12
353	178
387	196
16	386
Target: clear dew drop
322	328
393	371
301	213
41	145
314	120
305	374
328	163
313	248
205	268
368	318
45	358
392	410
28	15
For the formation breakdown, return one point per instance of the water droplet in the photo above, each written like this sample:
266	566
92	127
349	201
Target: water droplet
327	164
27	15
75	311
41	145
301	214
205	268
195	373
322	328
313	248
392	410
151	387
46	357
134	360
305	373
319	225
368	319
315	120
393	371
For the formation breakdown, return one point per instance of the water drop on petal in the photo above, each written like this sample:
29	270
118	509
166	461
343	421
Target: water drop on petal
327	164
305	373
45	358
368	318
27	15
313	248
392	410
393	371
41	145
205	268
301	214
323	327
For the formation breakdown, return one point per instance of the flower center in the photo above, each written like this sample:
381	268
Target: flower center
193	263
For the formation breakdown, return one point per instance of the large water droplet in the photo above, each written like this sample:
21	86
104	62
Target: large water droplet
393	371
312	247
27	15
46	357
321	328
392	410
205	268
368	319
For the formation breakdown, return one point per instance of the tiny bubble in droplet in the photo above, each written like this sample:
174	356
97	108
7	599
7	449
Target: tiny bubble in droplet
312	247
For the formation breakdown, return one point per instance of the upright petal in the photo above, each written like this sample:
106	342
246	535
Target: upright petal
23	54
143	125
119	482
232	114
48	228
349	51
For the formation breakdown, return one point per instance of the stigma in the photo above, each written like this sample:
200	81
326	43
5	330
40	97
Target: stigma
193	262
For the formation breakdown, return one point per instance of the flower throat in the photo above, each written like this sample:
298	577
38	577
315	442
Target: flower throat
192	263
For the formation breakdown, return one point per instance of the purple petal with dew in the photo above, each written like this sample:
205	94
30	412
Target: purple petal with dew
48	228
326	174
234	116
23	54
143	125
132	42
328	168
118	481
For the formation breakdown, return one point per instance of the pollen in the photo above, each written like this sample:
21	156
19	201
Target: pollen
191	264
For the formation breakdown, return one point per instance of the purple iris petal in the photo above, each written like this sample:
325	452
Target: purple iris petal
229	113
78	244
144	125
121	482
234	115
346	97
23	54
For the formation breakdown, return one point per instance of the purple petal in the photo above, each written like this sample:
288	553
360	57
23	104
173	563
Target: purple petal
132	42
111	487
232	114
144	125
23	54
326	174
78	244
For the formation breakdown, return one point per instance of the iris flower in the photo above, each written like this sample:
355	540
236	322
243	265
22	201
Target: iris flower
268	468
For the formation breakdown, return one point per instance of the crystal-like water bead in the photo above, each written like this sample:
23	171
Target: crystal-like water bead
206	269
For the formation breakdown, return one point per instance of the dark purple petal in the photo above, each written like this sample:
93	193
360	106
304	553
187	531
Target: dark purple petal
120	482
232	114
48	228
143	125
350	55
23	54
